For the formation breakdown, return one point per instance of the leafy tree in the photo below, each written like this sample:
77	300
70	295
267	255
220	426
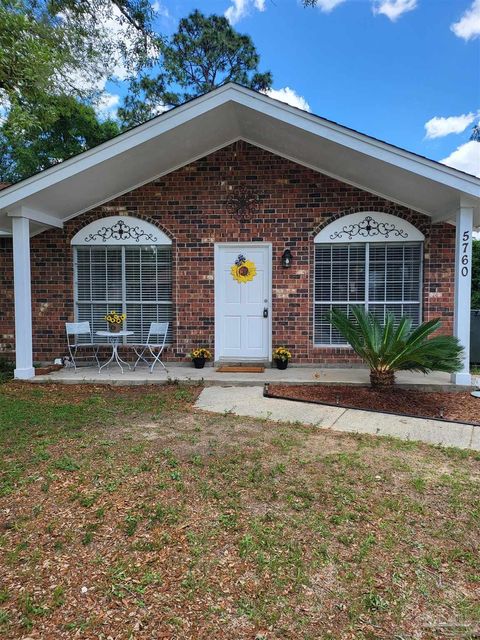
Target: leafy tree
395	346
204	53
49	47
475	133
67	127
476	275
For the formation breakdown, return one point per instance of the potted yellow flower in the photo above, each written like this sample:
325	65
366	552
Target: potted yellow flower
115	321
199	357
281	357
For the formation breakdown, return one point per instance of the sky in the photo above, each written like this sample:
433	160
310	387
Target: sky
403	71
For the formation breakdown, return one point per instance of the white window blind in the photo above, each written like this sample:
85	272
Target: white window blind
134	280
381	277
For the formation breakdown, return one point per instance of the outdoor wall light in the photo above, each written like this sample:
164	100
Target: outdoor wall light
287	259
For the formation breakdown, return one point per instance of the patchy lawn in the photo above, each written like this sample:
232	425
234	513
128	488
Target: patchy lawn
126	514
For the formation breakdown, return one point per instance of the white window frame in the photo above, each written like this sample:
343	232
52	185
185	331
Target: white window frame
356	229
120	232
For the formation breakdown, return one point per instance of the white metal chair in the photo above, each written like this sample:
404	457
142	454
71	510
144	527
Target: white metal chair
76	329
159	331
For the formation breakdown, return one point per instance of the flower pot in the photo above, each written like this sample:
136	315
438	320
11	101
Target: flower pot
114	327
198	363
281	364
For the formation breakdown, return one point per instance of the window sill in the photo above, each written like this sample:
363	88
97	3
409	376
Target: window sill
346	347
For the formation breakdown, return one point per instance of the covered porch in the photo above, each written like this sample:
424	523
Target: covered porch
49	200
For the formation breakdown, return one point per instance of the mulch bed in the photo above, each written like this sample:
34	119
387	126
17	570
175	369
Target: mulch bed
459	406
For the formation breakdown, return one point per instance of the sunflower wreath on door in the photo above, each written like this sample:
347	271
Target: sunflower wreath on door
243	270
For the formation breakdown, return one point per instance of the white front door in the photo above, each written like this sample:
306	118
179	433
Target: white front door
243	309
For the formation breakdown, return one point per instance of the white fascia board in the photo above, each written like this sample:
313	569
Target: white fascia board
352	183
450	214
315	125
36	216
153	178
115	146
360	142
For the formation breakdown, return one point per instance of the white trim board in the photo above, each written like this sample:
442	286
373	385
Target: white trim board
217	119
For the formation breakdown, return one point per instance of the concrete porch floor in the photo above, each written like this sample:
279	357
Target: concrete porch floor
209	376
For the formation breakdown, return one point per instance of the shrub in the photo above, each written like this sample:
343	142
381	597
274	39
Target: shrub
395	346
6	370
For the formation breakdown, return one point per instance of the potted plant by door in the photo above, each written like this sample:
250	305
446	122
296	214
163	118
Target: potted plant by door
281	357
199	357
115	321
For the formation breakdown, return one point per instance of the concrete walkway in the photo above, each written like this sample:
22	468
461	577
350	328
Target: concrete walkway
210	376
249	401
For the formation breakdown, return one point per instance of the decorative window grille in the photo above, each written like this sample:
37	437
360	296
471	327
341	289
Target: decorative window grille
136	280
382	277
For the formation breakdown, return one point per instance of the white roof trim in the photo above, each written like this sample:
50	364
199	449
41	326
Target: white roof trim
120	230
369	226
155	177
239	108
362	142
131	138
336	176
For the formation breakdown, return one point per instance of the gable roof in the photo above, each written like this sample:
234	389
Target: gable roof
217	119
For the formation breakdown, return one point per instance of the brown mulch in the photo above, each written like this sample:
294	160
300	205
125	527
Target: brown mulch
450	405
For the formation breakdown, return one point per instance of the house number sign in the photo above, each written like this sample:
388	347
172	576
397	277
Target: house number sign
465	270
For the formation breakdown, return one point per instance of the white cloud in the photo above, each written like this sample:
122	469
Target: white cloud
289	96
393	9
107	105
240	8
466	157
159	8
328	5
468	26
112	26
439	126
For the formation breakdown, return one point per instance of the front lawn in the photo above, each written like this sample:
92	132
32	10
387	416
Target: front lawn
124	513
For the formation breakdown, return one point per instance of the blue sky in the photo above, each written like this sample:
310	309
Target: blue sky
383	67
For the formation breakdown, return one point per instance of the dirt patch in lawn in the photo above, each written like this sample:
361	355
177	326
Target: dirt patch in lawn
459	406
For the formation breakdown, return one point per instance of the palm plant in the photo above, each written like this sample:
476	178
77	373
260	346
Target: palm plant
395	346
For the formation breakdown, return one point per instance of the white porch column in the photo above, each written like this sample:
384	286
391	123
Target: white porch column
463	286
23	298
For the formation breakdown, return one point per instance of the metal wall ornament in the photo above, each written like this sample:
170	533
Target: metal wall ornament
368	228
243	270
120	230
243	203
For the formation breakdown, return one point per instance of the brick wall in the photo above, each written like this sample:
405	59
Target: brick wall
189	205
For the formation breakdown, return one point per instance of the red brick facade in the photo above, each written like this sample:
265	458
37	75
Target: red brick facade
189	205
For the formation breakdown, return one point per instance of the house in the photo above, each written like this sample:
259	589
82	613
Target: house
241	220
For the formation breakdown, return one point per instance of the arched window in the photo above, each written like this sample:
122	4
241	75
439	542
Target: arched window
125	264
370	259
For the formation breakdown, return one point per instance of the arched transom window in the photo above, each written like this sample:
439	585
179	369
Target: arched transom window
370	259
123	264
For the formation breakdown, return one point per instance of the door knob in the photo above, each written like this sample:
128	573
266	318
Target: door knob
265	312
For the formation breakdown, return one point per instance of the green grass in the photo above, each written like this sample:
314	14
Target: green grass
199	525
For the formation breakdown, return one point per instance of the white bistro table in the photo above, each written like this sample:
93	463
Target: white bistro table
114	339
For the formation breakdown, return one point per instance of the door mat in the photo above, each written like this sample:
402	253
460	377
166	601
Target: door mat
230	369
